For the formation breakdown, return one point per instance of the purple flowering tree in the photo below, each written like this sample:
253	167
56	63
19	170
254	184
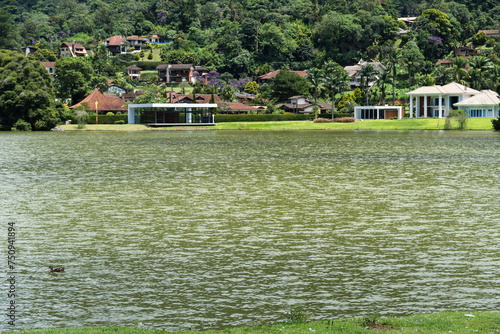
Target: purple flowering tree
239	85
161	17
213	84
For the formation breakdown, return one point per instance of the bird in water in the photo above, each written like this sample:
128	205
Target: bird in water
56	270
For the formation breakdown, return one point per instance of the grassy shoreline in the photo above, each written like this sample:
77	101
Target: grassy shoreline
445	322
403	124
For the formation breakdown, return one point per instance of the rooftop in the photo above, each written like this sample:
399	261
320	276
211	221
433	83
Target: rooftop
484	98
108	102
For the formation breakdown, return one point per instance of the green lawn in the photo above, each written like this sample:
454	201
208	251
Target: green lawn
156	55
437	323
403	124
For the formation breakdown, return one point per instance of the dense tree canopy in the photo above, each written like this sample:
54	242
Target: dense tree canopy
247	38
72	78
214	33
26	94
287	83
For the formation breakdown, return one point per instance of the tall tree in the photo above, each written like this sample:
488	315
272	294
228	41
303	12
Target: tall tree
383	79
10	34
368	73
336	80
479	66
393	57
411	57
315	79
26	94
72	78
287	83
457	70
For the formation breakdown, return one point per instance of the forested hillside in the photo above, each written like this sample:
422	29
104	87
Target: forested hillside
247	37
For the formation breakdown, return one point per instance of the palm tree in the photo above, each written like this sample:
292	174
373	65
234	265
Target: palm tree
478	66
315	79
441	75
367	73
393	57
427	67
336	80
384	78
457	70
494	75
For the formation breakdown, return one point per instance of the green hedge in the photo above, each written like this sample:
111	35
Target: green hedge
102	119
262	118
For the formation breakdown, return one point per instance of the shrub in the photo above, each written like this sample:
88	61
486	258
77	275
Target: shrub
109	113
345	120
297	314
459	115
121	121
22	125
496	124
323	120
103	119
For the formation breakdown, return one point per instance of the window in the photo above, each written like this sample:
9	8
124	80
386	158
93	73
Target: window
436	101
477	113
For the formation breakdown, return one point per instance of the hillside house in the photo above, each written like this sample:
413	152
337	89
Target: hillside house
72	50
353	71
50	66
134	72
118	44
302	105
180	72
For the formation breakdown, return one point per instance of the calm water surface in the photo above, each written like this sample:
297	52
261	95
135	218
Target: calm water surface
179	230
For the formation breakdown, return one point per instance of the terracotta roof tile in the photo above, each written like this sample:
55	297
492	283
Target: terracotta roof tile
241	107
108	102
116	40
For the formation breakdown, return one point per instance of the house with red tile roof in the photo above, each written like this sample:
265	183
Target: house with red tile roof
240	108
50	66
134	72
118	44
102	103
188	98
491	33
72	50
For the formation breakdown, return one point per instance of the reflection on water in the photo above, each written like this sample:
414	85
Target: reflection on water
212	229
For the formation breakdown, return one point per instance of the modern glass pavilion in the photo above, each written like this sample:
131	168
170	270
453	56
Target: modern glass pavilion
168	114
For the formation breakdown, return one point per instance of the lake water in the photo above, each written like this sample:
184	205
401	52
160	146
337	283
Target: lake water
213	229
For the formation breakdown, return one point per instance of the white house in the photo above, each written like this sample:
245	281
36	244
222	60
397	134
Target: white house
353	71
485	104
435	101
